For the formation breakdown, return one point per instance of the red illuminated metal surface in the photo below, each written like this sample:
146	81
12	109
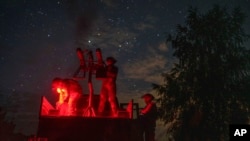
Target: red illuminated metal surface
56	127
47	110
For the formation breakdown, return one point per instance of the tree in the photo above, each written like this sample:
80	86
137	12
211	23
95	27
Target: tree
207	88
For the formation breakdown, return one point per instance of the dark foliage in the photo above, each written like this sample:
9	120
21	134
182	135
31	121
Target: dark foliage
209	87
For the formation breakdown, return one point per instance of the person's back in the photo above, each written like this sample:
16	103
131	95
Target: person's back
73	87
75	91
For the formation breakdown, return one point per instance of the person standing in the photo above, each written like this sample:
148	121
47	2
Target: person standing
148	116
108	90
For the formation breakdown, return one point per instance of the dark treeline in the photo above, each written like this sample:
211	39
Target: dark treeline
208	88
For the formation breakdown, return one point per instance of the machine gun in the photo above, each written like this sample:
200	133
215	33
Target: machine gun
85	125
92	67
97	67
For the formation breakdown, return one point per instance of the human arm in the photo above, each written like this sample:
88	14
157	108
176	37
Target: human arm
147	109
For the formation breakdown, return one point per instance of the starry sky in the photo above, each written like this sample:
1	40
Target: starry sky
38	40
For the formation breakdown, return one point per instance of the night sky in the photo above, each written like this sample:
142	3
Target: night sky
38	40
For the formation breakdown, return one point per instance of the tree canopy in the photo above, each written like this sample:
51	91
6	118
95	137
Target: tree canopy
210	81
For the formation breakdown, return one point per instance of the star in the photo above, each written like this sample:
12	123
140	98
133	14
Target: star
39	38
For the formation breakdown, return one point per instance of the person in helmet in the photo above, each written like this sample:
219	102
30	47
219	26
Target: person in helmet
108	90
148	116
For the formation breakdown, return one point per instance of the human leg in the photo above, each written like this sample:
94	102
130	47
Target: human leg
102	100
112	100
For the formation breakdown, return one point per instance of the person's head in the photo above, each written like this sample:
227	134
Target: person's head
147	98
57	85
110	60
60	88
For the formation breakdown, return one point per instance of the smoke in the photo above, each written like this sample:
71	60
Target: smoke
83	13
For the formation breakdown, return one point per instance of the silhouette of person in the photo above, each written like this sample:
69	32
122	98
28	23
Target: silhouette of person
148	117
75	91
108	90
69	92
